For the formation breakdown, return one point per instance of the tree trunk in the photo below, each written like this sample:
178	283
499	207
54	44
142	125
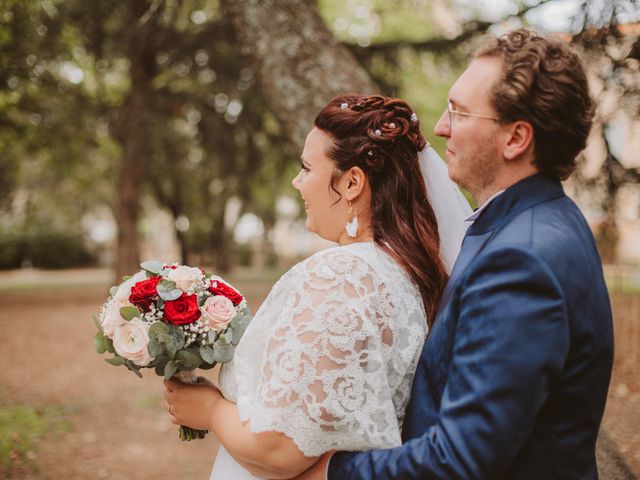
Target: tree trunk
300	64
134	149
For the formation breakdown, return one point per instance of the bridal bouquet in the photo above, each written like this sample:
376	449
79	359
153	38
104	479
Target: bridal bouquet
174	319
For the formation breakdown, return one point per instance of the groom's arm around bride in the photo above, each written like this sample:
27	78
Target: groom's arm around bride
513	378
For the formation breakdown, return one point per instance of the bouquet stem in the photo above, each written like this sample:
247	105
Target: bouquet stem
187	433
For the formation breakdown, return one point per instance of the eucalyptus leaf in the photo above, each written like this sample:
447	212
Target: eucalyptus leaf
213	335
132	366
170	369
159	368
167	290
207	354
109	344
129	312
152	266
223	352
188	360
179	338
155	348
137	372
227	335
116	361
99	343
158	328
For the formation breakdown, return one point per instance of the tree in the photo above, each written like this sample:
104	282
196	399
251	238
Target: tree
300	64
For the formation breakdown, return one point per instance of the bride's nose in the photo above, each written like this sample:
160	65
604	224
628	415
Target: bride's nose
295	182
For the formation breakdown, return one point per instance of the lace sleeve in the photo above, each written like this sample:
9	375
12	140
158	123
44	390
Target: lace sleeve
322	380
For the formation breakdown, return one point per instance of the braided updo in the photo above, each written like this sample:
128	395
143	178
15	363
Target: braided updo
382	136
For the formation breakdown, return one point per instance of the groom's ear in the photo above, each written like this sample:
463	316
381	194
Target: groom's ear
519	141
355	180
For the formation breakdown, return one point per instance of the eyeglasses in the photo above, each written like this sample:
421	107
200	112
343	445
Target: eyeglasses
453	112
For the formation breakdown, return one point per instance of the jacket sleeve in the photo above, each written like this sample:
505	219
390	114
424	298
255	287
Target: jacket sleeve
511	340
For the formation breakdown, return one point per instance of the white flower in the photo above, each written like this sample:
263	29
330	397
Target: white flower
217	312
124	290
131	340
185	277
110	317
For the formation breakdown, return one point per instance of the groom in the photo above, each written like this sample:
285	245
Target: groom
513	378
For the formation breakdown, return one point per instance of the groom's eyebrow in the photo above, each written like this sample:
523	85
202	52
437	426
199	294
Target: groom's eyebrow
457	105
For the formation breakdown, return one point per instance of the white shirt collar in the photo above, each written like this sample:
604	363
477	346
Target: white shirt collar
474	216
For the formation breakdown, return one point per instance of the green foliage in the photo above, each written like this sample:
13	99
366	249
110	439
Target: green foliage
152	266
167	290
20	428
129	312
43	249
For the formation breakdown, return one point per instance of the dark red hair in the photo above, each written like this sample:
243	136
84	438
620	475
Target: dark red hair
382	137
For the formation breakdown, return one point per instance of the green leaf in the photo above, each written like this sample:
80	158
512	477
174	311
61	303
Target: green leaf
126	277
155	348
223	352
167	290
239	325
207	354
228	335
97	323
158	329
116	361
152	266
129	312
99	343
179	338
109	344
113	290
188	360
213	335
170	369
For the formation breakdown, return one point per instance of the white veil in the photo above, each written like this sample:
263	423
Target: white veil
448	202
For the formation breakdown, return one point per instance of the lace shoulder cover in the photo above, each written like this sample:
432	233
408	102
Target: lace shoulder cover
329	358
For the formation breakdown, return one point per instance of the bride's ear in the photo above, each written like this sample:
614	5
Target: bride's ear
355	181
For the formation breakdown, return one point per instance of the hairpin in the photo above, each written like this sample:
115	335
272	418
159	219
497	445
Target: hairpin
370	153
378	132
344	105
392	125
414	117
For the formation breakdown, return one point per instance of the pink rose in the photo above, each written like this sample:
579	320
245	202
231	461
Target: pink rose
217	312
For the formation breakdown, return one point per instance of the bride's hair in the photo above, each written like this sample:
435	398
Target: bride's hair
382	136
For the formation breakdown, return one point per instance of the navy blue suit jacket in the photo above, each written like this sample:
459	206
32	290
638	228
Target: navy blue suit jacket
513	378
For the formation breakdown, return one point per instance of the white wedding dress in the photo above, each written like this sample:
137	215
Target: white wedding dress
329	357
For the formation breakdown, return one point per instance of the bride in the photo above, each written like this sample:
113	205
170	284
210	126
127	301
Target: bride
328	360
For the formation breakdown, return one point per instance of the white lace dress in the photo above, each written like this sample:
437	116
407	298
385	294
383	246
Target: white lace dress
329	357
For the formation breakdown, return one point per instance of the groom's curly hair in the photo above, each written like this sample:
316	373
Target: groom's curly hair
544	83
382	136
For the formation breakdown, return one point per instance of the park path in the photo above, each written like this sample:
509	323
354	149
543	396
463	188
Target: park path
118	426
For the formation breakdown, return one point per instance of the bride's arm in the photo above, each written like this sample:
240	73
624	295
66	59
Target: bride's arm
267	454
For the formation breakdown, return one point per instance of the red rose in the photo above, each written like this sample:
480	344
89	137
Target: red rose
182	311
143	293
219	288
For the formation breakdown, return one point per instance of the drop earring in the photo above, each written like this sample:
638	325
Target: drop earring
352	226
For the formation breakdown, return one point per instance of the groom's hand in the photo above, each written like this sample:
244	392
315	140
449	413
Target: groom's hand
191	405
319	469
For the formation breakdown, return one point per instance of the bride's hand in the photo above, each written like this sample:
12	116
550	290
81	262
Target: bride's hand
191	405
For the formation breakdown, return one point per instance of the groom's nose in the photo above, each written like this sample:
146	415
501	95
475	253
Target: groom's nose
442	126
